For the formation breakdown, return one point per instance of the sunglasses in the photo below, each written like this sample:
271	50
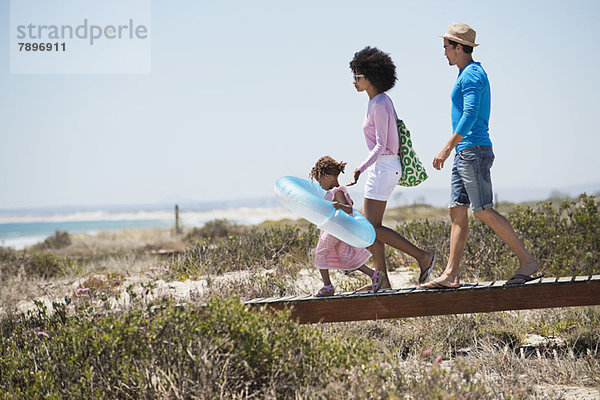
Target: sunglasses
357	77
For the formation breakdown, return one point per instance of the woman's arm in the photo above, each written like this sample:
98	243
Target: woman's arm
380	118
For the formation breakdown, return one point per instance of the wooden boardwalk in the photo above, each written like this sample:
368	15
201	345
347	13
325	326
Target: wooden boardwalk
416	302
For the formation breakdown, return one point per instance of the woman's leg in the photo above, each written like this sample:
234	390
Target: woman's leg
373	210
392	238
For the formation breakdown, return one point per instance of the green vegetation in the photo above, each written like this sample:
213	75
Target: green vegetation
215	229
223	350
256	248
149	352
116	335
59	240
41	264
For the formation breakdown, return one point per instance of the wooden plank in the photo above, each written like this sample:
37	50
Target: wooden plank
549	280
420	302
257	300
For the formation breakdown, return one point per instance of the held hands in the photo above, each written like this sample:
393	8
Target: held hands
356	175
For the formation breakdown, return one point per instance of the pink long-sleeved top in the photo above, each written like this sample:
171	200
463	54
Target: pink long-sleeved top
381	132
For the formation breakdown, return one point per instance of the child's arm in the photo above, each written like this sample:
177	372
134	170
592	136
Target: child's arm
339	201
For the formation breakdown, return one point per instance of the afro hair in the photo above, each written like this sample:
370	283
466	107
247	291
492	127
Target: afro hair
376	66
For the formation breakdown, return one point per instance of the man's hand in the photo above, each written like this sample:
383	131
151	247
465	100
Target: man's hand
442	156
440	159
356	175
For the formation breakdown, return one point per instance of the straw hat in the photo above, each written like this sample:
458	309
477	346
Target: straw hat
461	33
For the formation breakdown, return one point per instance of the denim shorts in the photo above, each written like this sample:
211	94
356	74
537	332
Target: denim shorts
471	178
382	177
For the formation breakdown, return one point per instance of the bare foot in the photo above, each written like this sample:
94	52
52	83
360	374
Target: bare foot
528	268
438	285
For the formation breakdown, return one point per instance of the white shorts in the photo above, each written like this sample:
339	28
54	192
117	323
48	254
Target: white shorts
382	177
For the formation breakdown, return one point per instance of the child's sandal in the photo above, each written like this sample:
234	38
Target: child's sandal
325	291
377	281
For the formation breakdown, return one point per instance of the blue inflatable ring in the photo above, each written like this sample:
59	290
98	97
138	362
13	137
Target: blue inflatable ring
305	198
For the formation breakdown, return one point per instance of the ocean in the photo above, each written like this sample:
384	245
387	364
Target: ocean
21	229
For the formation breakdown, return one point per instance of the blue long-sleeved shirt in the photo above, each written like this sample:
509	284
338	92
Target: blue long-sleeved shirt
471	104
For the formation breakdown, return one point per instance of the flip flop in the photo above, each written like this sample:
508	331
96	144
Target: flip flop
437	285
428	270
519	279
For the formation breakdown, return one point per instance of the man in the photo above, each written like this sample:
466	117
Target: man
471	180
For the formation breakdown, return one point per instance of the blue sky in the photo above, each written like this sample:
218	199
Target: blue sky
243	92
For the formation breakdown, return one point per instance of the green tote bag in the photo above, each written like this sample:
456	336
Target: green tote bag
413	171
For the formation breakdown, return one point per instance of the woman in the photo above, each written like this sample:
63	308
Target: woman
375	73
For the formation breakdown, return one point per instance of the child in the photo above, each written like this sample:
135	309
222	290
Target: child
332	253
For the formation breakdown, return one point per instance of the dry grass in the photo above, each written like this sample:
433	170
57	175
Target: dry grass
122	253
122	241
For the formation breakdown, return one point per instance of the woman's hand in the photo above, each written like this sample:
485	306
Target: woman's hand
356	175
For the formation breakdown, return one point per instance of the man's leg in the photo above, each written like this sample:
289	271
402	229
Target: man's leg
458	238
527	264
459	215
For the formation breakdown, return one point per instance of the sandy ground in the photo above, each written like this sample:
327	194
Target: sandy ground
566	392
150	285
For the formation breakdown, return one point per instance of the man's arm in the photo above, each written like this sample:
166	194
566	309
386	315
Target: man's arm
471	91
442	156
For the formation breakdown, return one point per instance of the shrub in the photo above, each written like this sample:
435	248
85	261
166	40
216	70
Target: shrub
44	265
219	351
256	248
580	327
59	240
564	240
215	229
432	235
37	264
276	283
432	381
9	262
